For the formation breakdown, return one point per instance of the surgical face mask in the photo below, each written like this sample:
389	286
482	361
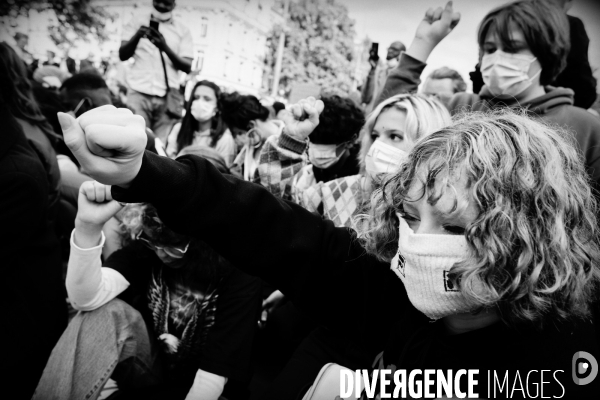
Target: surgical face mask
393	63
323	156
423	263
162	16
507	74
383	158
202	111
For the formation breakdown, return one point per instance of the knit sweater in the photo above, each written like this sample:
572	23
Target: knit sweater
285	172
326	272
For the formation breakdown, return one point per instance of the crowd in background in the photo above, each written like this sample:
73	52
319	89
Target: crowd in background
167	312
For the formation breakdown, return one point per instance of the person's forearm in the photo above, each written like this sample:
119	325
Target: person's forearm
369	87
258	232
180	63
127	49
405	78
420	49
90	286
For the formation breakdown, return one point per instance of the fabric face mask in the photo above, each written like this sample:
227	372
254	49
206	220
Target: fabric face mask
162	16
383	158
323	156
202	111
507	74
423	263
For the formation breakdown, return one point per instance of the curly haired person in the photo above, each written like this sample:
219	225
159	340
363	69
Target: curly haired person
489	228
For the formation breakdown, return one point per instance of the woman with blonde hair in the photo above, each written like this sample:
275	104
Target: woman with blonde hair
489	227
390	131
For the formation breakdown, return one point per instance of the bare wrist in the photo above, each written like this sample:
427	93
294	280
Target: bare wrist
421	48
87	235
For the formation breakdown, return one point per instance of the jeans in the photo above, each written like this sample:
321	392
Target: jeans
111	341
154	111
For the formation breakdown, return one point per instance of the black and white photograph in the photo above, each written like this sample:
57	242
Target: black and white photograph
300	199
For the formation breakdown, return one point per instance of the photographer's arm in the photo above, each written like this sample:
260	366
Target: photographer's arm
128	47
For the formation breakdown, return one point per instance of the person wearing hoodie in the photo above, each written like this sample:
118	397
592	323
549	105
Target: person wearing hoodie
524	46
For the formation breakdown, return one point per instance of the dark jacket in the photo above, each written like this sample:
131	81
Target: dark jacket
556	107
326	272
577	75
33	297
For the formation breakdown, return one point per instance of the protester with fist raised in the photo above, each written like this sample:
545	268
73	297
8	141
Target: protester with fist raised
183	315
524	46
489	270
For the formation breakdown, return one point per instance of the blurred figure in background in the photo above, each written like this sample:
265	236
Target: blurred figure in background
250	125
375	80
203	124
577	74
34	293
443	83
21	44
153	79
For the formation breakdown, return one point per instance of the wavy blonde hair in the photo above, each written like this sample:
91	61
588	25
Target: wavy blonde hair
424	115
534	244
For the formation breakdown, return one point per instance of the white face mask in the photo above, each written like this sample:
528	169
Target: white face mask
392	63
507	74
202	111
162	16
323	156
383	158
423	263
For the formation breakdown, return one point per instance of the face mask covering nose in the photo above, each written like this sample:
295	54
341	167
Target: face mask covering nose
507	75
383	158
423	264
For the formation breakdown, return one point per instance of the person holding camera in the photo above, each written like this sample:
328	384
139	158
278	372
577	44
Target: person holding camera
161	46
379	72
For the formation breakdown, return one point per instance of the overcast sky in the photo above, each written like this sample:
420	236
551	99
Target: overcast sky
387	20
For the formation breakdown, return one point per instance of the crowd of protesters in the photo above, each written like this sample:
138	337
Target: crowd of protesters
184	248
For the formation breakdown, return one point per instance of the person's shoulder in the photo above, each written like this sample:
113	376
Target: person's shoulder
464	101
576	118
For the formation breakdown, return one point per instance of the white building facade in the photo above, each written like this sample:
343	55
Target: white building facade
230	37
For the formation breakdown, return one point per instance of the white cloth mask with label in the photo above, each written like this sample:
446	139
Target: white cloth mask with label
423	263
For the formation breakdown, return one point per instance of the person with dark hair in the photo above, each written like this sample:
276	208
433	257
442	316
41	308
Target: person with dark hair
165	316
524	46
577	74
23	106
33	293
161	47
277	108
250	125
443	83
203	124
84	91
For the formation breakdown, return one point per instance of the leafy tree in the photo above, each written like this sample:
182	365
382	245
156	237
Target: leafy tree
319	46
76	18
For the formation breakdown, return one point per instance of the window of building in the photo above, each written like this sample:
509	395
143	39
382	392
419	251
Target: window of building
203	27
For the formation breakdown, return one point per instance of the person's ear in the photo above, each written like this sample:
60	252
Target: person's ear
252	124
